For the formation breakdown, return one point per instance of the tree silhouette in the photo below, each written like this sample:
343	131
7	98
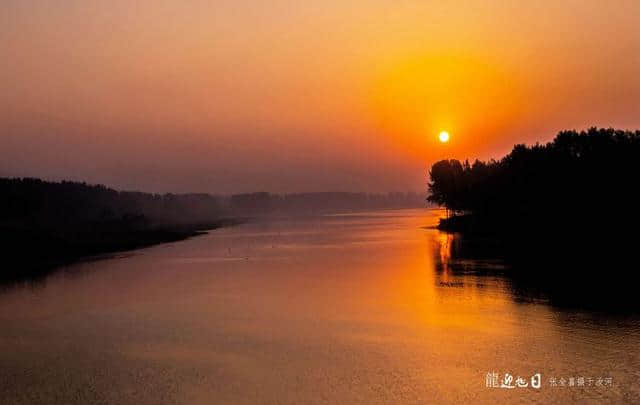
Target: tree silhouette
562	180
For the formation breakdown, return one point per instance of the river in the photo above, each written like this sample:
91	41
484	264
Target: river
352	308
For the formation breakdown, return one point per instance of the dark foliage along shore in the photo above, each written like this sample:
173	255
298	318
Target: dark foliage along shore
566	210
44	224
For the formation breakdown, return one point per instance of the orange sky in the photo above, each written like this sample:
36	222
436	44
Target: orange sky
283	95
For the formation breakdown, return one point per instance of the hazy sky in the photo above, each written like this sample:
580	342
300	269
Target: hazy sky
284	95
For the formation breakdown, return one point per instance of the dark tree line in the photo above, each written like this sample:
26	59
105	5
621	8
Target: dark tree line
592	173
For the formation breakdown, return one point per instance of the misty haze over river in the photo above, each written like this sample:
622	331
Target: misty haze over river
353	308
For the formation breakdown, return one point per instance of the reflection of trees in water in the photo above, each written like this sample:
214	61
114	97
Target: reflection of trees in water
454	269
446	261
463	261
445	240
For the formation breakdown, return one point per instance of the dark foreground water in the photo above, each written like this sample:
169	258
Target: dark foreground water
364	308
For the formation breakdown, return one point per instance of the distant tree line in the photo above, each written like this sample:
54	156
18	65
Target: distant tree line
37	203
318	202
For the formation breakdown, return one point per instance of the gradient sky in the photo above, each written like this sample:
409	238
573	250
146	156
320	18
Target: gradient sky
283	95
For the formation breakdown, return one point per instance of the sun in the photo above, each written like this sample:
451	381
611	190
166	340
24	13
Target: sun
444	136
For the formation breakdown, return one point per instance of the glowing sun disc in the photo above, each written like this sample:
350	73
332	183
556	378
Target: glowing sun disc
444	136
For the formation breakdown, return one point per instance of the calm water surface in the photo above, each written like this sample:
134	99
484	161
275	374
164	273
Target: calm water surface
362	308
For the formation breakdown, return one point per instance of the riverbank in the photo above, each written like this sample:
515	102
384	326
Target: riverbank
36	252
